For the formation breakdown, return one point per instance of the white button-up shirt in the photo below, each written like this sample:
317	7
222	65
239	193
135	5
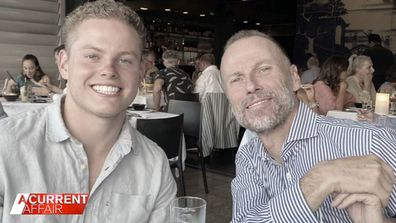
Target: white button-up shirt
38	155
209	82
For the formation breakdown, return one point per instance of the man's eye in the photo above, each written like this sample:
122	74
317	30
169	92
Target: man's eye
126	60
235	80
263	69
92	56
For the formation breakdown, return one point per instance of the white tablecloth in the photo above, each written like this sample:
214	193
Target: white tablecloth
342	114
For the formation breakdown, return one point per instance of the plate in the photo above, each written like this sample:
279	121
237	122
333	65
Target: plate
352	109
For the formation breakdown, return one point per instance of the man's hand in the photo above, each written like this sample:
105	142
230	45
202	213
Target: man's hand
362	208
352	175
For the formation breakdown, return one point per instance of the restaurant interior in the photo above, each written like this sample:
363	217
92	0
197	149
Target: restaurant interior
193	28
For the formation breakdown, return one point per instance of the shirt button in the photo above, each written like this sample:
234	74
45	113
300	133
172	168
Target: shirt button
83	166
288	176
108	203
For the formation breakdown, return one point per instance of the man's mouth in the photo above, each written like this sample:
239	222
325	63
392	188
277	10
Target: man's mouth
257	102
106	89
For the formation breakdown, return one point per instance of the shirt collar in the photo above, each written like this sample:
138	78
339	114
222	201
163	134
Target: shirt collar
304	124
57	131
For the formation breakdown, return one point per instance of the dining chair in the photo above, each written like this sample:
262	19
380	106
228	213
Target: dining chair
219	125
191	129
167	133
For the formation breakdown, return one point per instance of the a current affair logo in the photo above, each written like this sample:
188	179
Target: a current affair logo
48	204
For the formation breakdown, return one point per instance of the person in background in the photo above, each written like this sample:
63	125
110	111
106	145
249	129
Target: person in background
209	81
308	76
33	75
195	75
84	142
62	82
382	58
331	86
301	167
360	71
151	71
172	80
389	85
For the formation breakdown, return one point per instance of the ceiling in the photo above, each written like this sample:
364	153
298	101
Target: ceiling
242	12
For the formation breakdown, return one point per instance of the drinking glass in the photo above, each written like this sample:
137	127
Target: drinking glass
188	210
367	106
392	99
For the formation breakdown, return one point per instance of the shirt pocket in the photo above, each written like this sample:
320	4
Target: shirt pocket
128	208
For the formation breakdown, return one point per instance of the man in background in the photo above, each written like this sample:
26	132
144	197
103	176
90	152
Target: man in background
308	76
173	81
209	81
151	71
62	82
382	59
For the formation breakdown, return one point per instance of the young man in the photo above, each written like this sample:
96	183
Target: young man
302	167
84	143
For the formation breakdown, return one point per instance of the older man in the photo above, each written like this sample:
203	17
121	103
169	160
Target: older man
302	167
172	80
209	81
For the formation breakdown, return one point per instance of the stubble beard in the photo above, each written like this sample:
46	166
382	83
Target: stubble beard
282	105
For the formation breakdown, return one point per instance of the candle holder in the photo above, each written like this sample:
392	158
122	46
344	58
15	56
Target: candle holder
382	104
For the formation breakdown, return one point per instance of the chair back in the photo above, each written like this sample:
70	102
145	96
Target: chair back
188	97
192	116
166	132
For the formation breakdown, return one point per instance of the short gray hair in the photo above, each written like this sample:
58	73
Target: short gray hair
312	61
208	57
102	9
251	33
171	56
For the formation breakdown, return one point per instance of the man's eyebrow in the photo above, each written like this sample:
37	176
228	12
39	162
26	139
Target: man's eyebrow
261	63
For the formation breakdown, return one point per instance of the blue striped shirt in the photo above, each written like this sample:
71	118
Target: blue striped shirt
266	191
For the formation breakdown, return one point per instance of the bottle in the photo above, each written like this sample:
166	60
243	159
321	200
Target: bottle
23	92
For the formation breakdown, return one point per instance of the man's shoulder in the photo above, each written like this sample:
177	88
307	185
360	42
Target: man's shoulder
22	121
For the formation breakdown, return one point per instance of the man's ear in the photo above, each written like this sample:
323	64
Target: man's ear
63	64
295	77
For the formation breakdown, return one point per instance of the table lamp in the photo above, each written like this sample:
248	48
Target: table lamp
382	104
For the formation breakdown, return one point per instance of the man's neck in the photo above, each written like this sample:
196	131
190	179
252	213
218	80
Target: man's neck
97	134
274	139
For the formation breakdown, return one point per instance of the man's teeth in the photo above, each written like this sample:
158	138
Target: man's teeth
110	90
257	103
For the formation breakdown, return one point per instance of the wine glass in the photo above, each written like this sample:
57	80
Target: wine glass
392	100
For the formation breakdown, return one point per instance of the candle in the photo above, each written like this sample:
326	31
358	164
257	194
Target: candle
382	103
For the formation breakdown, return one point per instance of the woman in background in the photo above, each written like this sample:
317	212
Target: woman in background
389	86
360	83
331	87
32	74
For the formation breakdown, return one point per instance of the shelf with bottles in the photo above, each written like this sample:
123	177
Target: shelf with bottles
186	36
